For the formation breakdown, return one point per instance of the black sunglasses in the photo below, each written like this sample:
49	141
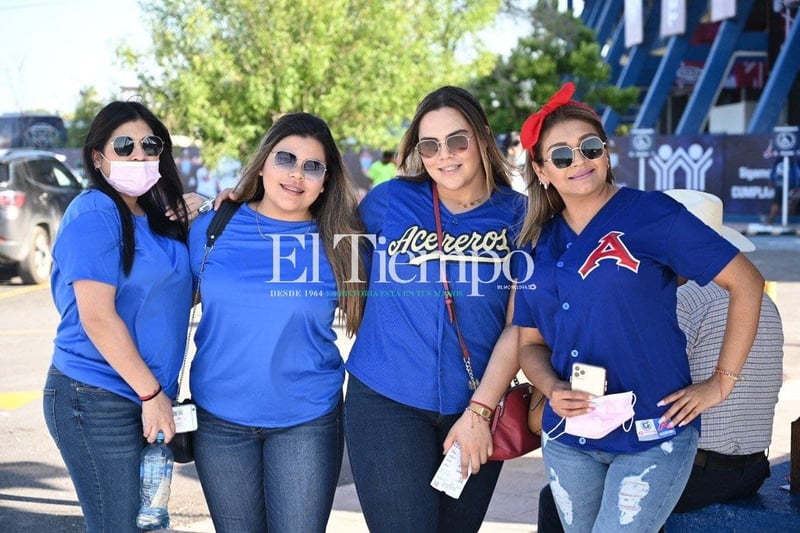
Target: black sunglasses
312	169
152	145
456	144
591	148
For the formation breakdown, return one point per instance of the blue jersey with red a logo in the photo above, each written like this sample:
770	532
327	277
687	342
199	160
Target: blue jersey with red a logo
607	297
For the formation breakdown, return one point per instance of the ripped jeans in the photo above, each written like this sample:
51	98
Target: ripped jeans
601	492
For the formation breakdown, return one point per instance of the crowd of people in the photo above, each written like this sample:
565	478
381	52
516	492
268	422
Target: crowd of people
432	273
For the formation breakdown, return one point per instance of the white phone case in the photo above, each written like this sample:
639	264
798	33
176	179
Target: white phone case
588	378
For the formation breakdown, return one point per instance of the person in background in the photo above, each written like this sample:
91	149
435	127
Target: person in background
516	157
383	170
730	462
267	377
122	285
776	180
608	258
409	395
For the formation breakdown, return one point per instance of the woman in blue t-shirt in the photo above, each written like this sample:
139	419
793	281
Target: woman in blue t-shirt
122	286
602	302
267	377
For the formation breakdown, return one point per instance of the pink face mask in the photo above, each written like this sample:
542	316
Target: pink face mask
132	178
611	411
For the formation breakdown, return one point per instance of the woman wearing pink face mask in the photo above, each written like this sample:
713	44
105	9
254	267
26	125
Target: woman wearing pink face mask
122	285
603	294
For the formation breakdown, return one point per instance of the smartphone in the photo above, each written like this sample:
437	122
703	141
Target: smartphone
185	416
588	378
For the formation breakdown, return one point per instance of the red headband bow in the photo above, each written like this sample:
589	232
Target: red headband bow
532	127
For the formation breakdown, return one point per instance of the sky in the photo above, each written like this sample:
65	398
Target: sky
51	49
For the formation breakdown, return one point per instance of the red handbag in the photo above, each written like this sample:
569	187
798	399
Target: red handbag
511	434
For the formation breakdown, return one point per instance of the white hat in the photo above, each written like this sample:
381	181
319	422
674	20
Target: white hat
708	208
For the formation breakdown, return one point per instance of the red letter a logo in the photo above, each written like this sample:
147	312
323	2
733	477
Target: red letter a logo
610	247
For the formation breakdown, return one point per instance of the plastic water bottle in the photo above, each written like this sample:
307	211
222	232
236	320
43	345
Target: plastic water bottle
155	477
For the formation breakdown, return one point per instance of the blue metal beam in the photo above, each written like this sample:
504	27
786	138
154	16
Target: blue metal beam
661	86
779	83
593	14
714	71
636	59
609	15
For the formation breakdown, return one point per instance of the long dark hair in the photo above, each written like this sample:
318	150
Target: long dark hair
495	166
335	210
166	194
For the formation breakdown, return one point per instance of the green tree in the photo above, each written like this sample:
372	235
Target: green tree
222	70
559	47
89	104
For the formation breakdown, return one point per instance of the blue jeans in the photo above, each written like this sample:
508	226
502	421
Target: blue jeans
99	435
277	479
394	452
597	491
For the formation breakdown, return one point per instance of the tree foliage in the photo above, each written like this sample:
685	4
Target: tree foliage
223	70
89	104
559	47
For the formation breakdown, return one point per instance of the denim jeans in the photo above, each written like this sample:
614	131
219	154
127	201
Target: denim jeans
394	452
277	479
597	491
99	435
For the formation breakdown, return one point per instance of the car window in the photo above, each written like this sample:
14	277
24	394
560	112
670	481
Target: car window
3	173
41	171
64	177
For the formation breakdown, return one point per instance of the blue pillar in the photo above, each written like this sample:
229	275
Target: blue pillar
608	17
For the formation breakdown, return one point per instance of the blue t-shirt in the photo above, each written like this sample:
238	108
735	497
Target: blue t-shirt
153	300
607	297
266	352
407	349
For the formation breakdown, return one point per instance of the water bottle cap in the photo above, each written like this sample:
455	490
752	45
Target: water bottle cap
160	436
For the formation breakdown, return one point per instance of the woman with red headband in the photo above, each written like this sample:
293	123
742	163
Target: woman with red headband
598	328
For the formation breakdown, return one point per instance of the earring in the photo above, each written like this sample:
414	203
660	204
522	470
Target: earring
322	190
545	184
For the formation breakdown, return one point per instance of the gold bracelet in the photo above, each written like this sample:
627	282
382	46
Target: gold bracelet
729	374
485	414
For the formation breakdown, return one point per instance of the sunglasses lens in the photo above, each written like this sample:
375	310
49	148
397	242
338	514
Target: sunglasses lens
123	146
561	157
152	145
427	148
286	160
457	143
313	169
592	148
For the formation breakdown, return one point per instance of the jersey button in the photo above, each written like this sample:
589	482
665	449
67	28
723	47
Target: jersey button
574	353
569	244
454	222
582	440
560	264
565	306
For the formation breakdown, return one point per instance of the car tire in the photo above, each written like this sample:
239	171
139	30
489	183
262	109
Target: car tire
35	268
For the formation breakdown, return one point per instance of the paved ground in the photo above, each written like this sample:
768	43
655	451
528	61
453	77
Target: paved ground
36	494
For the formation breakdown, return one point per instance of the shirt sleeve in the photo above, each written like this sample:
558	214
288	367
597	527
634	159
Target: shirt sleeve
694	250
89	247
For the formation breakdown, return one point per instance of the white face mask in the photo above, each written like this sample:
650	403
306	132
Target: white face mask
132	178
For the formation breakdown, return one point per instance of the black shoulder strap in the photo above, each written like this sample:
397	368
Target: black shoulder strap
220	220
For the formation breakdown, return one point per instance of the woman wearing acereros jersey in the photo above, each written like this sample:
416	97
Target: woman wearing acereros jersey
409	398
122	285
267	377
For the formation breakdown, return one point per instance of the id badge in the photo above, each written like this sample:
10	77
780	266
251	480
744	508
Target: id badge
650	429
185	416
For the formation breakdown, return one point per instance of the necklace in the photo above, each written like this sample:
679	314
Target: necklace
258	224
472	203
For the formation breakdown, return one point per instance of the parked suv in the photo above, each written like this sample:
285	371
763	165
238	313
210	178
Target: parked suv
35	188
